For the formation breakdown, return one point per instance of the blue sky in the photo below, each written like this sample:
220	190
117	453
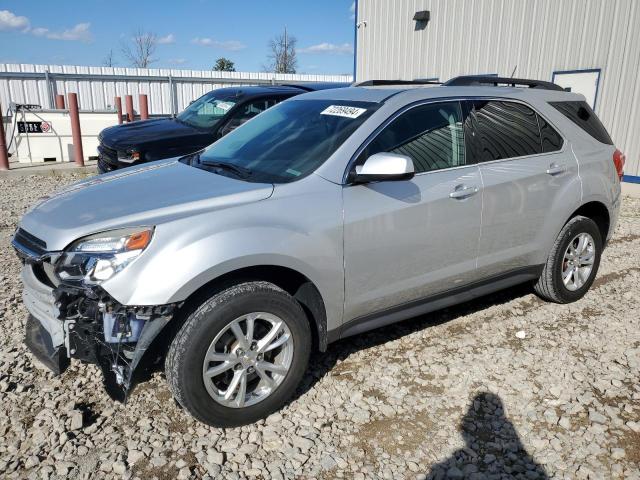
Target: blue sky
193	33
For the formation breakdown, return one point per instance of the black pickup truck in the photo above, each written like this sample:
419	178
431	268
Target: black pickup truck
203	122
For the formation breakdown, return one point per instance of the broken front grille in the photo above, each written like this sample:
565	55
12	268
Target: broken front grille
28	244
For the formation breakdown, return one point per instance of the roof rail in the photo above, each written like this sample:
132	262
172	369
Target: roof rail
488	80
376	83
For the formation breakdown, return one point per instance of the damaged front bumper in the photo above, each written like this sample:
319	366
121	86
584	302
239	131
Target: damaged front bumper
86	323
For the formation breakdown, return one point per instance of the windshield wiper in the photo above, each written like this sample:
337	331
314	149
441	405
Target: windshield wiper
242	172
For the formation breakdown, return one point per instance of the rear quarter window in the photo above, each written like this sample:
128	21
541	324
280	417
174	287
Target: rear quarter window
582	115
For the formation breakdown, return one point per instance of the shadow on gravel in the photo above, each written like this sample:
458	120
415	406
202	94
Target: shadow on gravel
492	446
322	363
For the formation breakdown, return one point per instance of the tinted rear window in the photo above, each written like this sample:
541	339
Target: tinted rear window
504	130
581	114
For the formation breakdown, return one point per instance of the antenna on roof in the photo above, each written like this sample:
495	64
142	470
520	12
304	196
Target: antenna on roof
514	71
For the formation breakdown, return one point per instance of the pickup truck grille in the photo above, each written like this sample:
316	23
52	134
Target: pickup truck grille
107	158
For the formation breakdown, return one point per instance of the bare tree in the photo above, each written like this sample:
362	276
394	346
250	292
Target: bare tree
139	51
282	54
109	59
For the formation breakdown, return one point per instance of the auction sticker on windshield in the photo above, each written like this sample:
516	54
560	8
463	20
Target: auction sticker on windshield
343	111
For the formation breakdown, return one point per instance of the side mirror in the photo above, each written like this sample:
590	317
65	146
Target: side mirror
385	166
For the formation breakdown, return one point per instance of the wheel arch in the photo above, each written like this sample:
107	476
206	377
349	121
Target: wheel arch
599	213
298	285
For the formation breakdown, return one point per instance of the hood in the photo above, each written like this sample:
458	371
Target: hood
157	134
138	196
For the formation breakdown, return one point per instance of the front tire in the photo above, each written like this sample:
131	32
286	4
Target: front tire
572	263
240	355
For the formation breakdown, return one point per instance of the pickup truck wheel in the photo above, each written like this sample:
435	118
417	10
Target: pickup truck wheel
240	355
573	262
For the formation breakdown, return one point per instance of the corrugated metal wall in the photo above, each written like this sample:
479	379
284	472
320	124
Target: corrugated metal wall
97	93
536	37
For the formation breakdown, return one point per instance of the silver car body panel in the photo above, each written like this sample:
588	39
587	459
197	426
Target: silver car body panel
153	194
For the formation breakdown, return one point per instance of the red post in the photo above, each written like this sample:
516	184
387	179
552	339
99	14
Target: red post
4	156
129	101
60	102
144	107
118	102
72	100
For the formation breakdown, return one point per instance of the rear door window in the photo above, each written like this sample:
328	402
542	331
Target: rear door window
503	130
582	115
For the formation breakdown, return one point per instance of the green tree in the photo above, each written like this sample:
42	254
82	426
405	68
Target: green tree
224	65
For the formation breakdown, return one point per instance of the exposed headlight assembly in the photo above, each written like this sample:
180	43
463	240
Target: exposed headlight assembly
96	258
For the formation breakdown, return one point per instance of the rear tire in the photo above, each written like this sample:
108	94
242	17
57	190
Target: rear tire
211	340
568	274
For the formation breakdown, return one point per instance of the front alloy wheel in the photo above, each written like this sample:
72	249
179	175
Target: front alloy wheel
248	360
240	355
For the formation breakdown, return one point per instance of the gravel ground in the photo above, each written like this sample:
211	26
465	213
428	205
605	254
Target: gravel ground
504	387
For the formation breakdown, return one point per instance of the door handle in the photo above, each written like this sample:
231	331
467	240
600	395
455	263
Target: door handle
555	169
463	191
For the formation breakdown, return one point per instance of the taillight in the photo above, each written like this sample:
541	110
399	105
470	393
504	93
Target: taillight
619	160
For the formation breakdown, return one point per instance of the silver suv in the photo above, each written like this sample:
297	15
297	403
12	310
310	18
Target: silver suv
333	213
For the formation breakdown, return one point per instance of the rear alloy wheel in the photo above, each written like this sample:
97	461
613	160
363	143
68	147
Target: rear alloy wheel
240	355
577	263
573	262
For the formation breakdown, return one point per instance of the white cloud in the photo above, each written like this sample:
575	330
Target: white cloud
167	39
329	48
11	21
231	45
177	61
352	10
79	32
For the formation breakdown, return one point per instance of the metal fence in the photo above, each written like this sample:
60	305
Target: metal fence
169	91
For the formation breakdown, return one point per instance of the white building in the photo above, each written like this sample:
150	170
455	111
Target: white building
592	46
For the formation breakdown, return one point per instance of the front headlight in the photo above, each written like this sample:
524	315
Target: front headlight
97	258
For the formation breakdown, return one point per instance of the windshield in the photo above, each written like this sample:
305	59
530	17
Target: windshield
288	141
206	111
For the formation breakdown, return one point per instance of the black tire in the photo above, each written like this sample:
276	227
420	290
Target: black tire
187	351
550	285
